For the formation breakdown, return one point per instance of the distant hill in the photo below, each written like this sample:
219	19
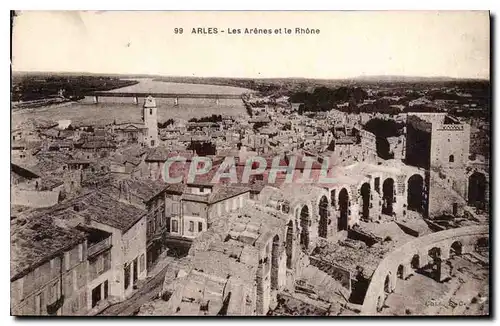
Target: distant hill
413	79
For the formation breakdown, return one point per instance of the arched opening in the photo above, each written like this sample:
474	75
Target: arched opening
274	262
344	207
323	218
401	272
482	245
289	244
451	158
477	190
304	225
435	254
365	196
456	249
434	263
380	304
415	193
415	262
333	198
387	284
388	196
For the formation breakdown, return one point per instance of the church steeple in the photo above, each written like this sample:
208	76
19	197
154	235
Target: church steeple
150	120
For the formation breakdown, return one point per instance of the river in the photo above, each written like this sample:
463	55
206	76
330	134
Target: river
123	110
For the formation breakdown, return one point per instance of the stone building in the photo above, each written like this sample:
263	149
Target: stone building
127	226
149	117
368	146
48	268
440	144
91	251
148	196
235	268
99	267
194	209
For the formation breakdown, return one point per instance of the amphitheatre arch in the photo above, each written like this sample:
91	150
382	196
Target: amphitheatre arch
481	244
477	190
415	195
456	249
323	217
304	225
388	196
365	198
407	257
289	244
401	272
344	209
275	262
387	283
415	262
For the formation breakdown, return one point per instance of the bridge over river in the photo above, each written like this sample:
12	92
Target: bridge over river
95	96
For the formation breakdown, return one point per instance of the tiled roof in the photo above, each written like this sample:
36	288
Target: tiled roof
37	240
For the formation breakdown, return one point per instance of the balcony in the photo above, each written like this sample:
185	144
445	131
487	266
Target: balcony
97	248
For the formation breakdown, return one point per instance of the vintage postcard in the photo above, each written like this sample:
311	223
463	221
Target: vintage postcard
211	163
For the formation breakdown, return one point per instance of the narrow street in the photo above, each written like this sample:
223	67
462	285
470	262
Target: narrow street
149	288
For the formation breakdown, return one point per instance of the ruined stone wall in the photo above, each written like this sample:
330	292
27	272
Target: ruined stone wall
418	142
368	146
443	199
402	256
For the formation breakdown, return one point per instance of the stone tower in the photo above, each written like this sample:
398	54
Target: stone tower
150	122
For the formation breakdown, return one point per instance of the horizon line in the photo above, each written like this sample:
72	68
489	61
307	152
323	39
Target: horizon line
358	77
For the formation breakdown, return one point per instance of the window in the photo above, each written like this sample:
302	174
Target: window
451	159
53	294
200	227
191	226
150	111
142	263
106	289
96	295
161	217
80	252
175	208
135	271
175	226
107	260
126	272
70	285
152	143
38	303
99	265
75	305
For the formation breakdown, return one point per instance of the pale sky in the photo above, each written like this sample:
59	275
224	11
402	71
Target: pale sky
350	44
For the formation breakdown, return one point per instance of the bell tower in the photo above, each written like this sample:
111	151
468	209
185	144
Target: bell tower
150	122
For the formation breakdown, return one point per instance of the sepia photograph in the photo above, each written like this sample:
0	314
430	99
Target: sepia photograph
250	163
